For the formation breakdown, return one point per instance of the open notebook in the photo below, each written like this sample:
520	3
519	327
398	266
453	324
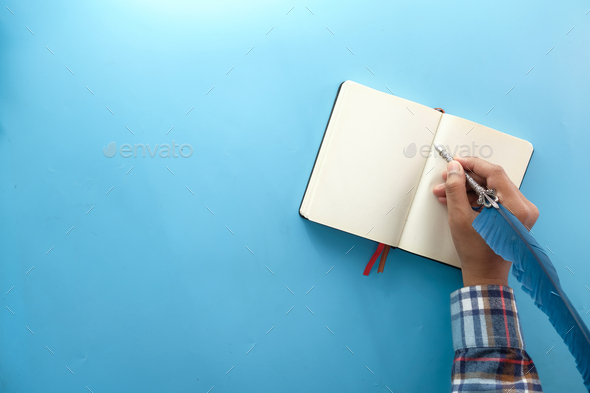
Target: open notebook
376	168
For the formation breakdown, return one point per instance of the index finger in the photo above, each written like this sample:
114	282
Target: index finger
494	174
479	166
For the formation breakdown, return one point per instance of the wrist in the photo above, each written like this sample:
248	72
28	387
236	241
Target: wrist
488	271
474	282
471	279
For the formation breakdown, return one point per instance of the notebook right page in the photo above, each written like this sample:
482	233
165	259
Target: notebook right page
426	231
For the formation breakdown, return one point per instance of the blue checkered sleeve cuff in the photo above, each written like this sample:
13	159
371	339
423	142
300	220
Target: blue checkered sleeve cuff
485	316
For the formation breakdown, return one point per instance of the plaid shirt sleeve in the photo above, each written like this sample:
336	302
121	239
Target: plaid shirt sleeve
489	348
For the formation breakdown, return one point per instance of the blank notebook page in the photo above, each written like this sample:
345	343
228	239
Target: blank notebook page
361	171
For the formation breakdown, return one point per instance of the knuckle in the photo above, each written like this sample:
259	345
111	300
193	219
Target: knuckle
527	213
533	212
498	170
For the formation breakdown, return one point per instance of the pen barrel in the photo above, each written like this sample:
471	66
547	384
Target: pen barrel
476	187
444	154
487	197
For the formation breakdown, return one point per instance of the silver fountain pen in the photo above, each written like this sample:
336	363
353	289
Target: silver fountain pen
487	197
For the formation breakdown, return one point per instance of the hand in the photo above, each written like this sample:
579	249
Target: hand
480	265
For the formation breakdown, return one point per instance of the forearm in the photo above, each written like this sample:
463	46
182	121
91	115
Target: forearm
489	348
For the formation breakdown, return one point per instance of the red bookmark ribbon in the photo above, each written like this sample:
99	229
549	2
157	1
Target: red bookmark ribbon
374	258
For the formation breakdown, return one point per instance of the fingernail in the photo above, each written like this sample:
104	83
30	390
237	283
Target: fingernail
442	185
454	167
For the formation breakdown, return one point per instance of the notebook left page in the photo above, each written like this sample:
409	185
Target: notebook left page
363	180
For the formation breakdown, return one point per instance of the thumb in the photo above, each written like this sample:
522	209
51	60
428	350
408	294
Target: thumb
457	201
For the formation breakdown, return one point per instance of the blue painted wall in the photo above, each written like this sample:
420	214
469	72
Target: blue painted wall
180	272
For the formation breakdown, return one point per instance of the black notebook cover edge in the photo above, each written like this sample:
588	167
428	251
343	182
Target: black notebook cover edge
320	148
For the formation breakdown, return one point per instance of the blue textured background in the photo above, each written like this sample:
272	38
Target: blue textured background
150	292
